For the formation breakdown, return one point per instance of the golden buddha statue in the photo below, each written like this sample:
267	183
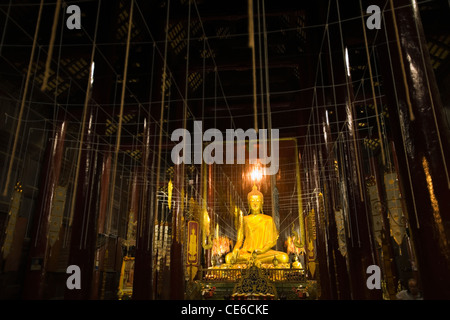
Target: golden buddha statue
296	264
257	234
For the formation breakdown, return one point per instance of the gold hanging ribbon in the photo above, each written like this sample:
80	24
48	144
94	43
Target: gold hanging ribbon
169	197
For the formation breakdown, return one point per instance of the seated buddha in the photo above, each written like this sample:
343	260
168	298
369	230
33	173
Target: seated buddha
257	235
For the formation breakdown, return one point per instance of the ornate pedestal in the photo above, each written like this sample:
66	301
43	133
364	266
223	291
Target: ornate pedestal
242	282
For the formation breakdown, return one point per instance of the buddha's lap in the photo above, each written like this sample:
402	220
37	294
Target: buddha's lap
282	257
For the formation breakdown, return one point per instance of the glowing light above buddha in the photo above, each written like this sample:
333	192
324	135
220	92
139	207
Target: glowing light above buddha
256	174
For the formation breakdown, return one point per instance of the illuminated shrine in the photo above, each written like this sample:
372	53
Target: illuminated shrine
193	150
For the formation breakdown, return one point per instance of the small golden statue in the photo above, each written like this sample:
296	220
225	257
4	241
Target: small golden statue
296	264
257	235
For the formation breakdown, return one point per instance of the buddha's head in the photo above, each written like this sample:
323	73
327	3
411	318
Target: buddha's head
255	200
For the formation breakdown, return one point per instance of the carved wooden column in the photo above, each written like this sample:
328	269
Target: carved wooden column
143	269
82	222
422	143
102	213
176	253
326	268
360	249
339	276
39	247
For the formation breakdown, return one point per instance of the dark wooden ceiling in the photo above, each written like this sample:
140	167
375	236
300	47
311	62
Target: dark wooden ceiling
219	70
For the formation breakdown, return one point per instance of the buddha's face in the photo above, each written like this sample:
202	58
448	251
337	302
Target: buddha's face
256	203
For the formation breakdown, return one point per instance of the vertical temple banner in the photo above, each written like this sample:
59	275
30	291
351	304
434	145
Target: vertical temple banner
376	207
192	255
340	226
311	237
394	203
57	214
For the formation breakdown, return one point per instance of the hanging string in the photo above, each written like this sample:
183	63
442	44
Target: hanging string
251	44
50	47
369	65
22	105
83	121
119	127
402	65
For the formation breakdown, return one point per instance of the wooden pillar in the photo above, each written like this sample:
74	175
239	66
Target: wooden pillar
324	257
422	143
176	254
102	213
210	205
83	222
339	277
387	259
34	284
143	269
360	247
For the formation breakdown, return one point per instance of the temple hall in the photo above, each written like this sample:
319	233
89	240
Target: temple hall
225	150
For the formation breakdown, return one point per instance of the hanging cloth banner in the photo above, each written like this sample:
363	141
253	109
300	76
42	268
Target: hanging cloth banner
192	254
375	206
340	226
13	213
56	215
394	204
131	230
311	236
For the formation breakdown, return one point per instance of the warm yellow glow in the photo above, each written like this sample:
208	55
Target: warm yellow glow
217	231
206	222
256	174
169	191
436	212
291	248
221	245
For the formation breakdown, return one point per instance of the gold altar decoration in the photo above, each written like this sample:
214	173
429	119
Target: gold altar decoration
57	213
232	273
207	241
126	278
221	245
291	243
13	213
254	285
394	204
192	254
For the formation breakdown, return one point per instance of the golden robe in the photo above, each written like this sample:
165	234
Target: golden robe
259	231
